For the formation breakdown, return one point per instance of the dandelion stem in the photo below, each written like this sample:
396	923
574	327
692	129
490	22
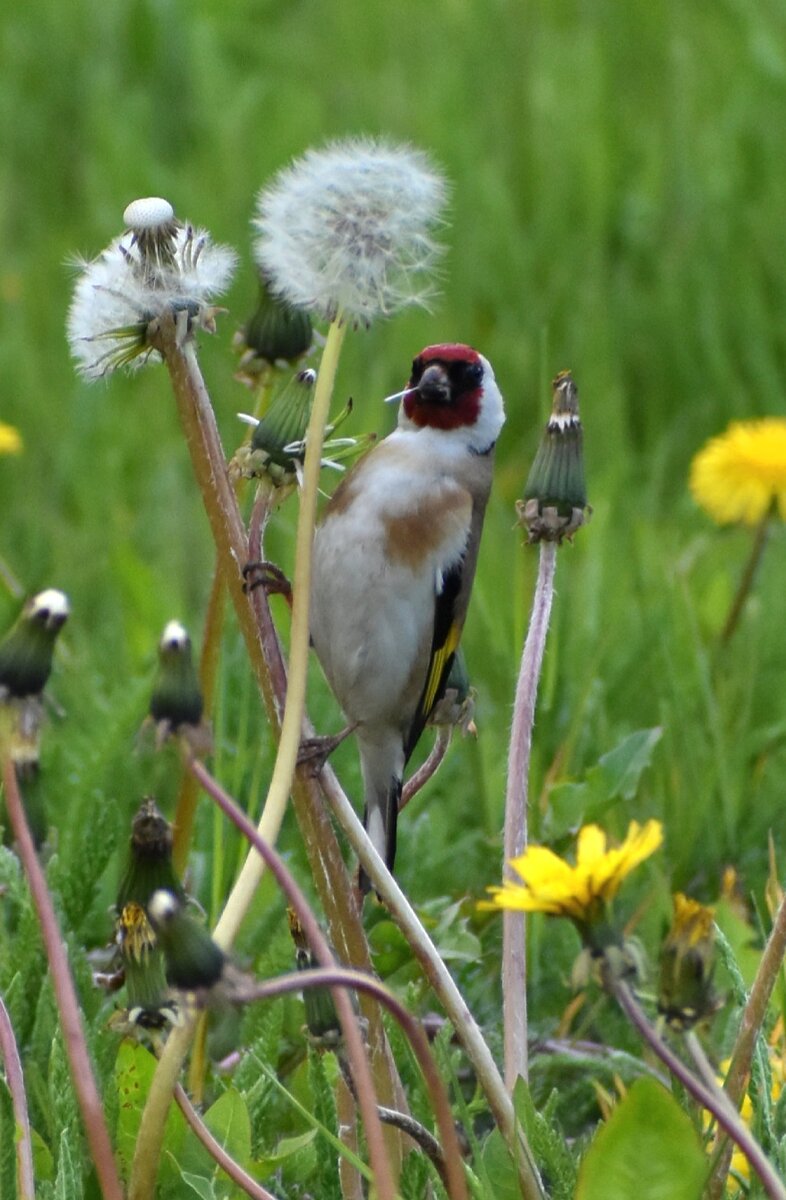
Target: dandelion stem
217	1151
514	945
746	582
208	669
150	1138
429	767
357	981
441	981
292	724
709	1097
67	1003
318	942
9	1053
753	1016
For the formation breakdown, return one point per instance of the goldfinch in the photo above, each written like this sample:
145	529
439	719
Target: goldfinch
394	559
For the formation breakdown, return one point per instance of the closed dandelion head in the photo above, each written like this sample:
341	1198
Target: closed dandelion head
176	703
687	963
143	968
555	494
739	477
193	960
27	649
149	863
277	333
347	231
159	265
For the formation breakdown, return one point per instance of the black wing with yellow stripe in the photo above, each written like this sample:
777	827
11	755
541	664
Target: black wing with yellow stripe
448	623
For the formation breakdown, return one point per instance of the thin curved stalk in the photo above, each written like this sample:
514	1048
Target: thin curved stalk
751	1022
421	777
67	1003
316	939
357	981
217	1151
150	1138
441	981
709	1096
746	581
9	1052
292	723
514	930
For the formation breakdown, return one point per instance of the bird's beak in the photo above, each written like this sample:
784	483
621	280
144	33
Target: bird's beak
434	385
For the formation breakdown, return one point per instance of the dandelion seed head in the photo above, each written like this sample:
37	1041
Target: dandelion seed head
348	230
50	607
158	265
174	637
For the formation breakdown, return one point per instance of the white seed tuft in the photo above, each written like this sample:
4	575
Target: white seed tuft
162	906
148	213
347	231
51	601
157	266
174	637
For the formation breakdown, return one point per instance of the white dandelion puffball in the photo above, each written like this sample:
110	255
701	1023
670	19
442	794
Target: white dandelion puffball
347	231
159	264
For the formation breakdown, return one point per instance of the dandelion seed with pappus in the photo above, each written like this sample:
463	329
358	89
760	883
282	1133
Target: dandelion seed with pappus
347	231
159	265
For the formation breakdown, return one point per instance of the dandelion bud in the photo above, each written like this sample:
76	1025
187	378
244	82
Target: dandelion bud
324	1027
687	963
27	649
277	332
158	266
193	960
176	704
347	231
149	863
555	496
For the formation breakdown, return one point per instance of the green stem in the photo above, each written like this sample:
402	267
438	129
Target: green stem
748	576
753	1017
291	727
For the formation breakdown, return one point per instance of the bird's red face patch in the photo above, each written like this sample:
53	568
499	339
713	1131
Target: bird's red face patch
445	388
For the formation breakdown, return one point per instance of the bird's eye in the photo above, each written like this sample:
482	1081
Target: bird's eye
473	373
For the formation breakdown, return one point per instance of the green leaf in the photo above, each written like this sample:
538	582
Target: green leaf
134	1070
68	1185
648	1149
620	770
499	1168
43	1163
203	1187
230	1124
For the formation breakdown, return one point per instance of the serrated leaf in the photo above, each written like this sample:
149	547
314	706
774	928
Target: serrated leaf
68	1184
648	1148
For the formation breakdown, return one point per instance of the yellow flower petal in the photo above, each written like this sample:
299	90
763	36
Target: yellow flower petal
740	475
10	439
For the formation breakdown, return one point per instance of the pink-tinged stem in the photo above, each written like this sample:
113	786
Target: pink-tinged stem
710	1098
367	1099
217	1151
514	944
340	977
25	1181
67	1004
429	767
753	1017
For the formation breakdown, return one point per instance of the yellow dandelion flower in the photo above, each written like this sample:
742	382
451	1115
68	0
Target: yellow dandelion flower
10	439
551	885
741	475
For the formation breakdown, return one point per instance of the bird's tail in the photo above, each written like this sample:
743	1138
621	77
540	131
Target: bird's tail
382	761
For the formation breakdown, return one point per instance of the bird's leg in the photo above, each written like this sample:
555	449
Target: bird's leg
269	576
314	752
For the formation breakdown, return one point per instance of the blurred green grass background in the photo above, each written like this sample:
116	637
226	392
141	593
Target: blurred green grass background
618	196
